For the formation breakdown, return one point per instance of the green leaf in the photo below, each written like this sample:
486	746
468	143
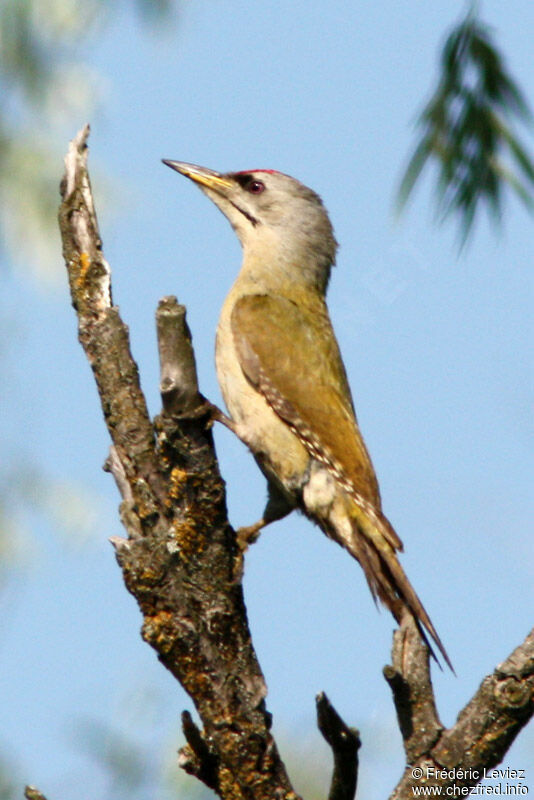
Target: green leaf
466	128
417	162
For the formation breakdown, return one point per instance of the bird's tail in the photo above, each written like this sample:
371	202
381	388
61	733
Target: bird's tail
373	542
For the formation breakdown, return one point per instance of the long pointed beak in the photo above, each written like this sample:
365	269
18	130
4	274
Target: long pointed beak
201	175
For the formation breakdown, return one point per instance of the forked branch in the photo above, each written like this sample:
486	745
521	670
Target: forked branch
181	563
484	730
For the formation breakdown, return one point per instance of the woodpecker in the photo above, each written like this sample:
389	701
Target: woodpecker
284	382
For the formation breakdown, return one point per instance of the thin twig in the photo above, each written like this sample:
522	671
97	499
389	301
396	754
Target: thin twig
196	758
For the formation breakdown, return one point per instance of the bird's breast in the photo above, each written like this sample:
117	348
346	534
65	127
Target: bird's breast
258	426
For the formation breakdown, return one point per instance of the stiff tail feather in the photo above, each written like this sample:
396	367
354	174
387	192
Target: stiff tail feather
385	576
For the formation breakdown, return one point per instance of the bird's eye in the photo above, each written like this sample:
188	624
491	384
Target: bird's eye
255	187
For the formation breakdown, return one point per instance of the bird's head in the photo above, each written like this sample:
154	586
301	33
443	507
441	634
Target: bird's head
274	216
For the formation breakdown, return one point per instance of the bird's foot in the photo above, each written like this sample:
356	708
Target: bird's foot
219	416
245	537
248	535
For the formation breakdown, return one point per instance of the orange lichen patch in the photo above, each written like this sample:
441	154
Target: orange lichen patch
158	630
188	539
231	789
228	785
85	263
177	481
145	510
149	576
195	680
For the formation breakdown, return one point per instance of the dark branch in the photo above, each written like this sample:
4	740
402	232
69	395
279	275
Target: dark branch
345	743
180	560
484	730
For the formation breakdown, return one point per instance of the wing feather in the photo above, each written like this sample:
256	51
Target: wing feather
291	356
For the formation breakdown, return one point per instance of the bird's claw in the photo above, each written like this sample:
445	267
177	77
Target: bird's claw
248	535
219	416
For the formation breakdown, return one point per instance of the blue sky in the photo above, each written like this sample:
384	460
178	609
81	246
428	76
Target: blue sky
437	348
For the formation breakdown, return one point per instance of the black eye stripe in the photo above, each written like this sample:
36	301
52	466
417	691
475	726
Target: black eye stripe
243	179
250	183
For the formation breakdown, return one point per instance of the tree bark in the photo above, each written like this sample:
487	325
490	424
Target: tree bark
180	560
183	566
485	728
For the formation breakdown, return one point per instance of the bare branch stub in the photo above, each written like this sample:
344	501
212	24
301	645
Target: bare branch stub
178	381
196	758
345	743
410	682
180	560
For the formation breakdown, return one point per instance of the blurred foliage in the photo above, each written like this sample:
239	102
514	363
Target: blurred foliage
33	501
139	731
127	765
47	91
467	130
132	767
26	491
8	787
